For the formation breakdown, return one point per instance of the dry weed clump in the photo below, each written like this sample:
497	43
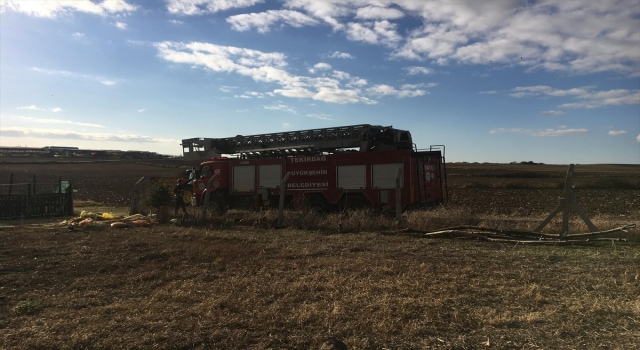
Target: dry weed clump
424	220
78	203
348	221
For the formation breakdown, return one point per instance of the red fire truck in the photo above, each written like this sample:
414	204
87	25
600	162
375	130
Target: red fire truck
333	168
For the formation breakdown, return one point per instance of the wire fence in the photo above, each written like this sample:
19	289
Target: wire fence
26	200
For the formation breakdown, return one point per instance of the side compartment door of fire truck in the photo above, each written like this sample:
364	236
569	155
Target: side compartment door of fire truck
352	182
269	177
384	180
244	178
430	177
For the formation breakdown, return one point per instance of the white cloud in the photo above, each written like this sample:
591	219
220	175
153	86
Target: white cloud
341	96
416	86
490	92
380	32
263	67
253	94
85	136
638	138
58	121
418	70
327	10
587	97
340	75
142	110
64	73
374	12
297	93
322	66
263	21
48	8
319	66
616	132
121	25
32	107
77	35
199	7
281	107
357	82
539	133
56	109
320	116
175	21
339	54
552	112
286	125
386	90
540	35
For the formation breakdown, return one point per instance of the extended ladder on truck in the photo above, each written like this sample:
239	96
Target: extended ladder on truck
364	137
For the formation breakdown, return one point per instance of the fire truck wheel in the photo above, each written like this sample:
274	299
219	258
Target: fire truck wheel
186	197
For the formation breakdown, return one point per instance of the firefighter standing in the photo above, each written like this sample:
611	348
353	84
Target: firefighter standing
178	193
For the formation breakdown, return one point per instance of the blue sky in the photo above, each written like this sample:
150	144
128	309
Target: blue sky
496	81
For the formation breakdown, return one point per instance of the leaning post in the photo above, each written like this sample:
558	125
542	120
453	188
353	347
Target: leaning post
133	207
283	185
10	183
567	200
566	204
29	200
205	202
69	197
398	194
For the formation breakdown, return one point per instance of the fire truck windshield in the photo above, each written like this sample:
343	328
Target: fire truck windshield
206	171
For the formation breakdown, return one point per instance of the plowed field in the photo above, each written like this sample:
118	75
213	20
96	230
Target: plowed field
519	190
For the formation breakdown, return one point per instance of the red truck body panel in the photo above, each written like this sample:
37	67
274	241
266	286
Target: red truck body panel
333	177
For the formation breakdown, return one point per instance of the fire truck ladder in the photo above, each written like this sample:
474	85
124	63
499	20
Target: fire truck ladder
364	137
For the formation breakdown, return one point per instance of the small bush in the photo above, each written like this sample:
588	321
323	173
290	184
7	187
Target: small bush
27	307
157	196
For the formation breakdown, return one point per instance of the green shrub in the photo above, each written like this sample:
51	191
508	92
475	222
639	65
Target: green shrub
27	307
157	196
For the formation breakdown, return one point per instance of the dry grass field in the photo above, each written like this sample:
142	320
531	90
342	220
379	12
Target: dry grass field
237	283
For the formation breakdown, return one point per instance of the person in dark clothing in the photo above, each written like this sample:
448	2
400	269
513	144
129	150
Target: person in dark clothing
178	193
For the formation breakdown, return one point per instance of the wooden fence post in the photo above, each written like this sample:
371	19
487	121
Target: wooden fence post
567	200
399	195
69	197
205	202
28	200
566	204
133	206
